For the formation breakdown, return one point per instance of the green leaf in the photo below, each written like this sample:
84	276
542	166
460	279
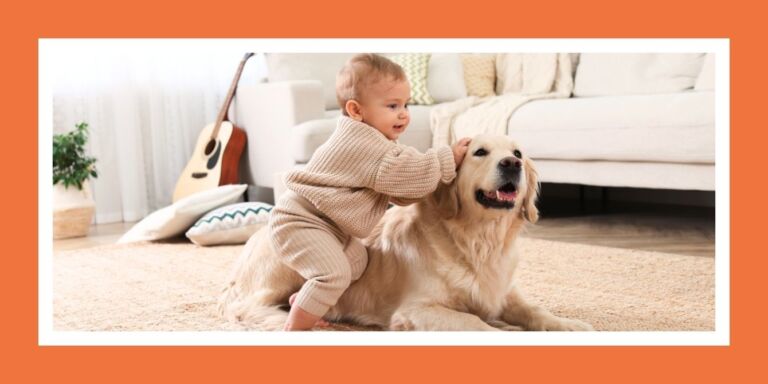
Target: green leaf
71	165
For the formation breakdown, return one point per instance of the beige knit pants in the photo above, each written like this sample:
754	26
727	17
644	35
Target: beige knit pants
312	245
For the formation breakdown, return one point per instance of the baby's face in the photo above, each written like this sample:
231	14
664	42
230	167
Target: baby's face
384	106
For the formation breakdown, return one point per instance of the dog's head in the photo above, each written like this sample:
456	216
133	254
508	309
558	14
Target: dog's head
496	178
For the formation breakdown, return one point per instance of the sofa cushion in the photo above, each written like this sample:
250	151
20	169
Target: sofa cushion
602	74
634	174
419	133
416	66
308	136
675	127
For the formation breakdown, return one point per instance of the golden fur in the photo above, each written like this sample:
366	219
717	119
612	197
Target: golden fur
444	263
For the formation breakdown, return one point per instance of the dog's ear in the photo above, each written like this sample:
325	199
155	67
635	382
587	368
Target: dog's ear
530	212
446	199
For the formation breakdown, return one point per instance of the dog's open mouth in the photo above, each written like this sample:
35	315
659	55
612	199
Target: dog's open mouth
503	197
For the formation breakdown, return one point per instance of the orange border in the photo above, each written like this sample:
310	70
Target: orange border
24	23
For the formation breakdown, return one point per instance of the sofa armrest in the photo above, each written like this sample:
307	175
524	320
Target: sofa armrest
268	112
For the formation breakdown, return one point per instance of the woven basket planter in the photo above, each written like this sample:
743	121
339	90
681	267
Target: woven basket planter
73	222
73	211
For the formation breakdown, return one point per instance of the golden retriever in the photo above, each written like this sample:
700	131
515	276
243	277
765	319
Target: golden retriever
445	263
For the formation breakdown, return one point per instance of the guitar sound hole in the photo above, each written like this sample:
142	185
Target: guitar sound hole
209	148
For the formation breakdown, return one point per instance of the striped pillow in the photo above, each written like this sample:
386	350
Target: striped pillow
415	66
232	224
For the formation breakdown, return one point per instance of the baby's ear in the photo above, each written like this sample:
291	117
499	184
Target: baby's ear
353	110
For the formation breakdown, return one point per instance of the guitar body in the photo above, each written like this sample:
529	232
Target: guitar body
214	162
216	155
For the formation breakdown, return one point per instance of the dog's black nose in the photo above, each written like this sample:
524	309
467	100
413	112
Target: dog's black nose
510	163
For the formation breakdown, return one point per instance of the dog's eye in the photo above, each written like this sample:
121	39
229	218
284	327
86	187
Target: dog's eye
517	154
480	152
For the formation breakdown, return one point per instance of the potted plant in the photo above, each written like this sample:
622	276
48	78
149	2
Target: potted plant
73	205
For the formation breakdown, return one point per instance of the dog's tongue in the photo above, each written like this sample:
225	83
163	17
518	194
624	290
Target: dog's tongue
505	196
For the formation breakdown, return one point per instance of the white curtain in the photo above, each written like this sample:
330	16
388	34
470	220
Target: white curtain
145	103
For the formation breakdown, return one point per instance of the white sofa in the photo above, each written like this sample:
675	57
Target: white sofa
634	120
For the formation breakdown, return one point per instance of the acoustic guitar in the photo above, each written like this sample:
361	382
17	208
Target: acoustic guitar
217	153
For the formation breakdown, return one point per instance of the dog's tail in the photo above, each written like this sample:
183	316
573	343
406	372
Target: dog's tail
249	312
246	302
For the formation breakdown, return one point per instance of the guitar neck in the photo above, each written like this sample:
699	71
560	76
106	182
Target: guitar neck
230	95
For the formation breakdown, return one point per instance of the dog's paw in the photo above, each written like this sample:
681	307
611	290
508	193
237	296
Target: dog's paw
574	325
504	326
555	323
400	323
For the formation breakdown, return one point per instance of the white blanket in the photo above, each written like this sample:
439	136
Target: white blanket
526	77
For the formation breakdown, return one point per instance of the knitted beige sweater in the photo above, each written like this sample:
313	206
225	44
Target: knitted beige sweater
353	175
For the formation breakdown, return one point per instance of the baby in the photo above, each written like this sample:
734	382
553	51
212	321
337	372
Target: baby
348	184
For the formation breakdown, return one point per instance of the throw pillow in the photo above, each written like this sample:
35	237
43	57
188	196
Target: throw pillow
479	74
534	73
415	66
232	224
605	74
175	219
445	77
706	79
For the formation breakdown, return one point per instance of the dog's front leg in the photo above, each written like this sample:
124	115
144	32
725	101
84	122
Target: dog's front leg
435	317
517	311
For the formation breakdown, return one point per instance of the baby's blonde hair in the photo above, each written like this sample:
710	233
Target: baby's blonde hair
361	71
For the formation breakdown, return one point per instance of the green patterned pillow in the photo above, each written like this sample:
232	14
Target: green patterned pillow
231	224
415	66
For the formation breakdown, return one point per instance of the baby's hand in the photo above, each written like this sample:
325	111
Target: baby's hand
460	150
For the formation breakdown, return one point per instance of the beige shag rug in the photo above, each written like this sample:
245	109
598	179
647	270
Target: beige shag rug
174	287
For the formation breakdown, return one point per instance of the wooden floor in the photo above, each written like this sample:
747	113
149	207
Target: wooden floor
693	236
101	234
670	229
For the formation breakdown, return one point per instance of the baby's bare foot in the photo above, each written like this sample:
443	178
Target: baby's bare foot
319	323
